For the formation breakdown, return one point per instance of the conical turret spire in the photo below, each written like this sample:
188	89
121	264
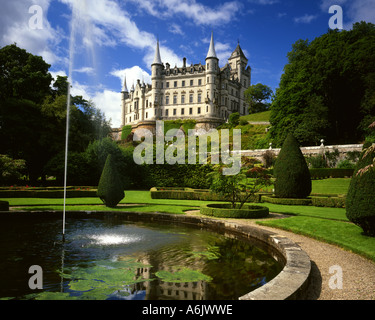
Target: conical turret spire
211	51
157	59
125	88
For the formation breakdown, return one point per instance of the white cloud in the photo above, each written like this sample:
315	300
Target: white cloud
307	18
353	11
132	75
175	29
15	28
87	70
109	102
197	12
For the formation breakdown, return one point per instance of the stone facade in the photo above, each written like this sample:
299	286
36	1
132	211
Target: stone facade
206	93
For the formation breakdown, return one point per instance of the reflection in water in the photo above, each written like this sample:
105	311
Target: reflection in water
109	259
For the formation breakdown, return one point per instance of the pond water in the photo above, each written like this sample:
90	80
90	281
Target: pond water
111	259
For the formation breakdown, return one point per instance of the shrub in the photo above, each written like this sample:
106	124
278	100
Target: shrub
345	164
221	210
323	173
110	189
234	119
292	175
330	202
287	201
360	200
125	132
269	158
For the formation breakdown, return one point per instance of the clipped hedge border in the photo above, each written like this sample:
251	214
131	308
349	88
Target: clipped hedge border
191	194
221	210
323	173
4	206
47	194
287	201
330	202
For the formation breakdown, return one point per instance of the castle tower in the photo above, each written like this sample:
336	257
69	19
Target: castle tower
212	70
124	96
238	63
156	79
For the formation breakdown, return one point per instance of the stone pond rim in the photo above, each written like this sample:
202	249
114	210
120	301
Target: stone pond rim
290	284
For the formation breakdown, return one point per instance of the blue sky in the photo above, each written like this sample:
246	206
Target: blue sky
117	37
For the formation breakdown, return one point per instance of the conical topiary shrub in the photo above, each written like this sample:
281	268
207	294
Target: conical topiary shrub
292	175
360	199
110	188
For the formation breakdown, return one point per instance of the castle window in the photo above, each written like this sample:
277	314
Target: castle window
208	66
199	110
206	108
175	84
146	115
167	100
199	97
191	98
174	112
166	113
175	99
183	83
130	119
167	84
182	99
191	83
190	110
199	82
208	79
182	111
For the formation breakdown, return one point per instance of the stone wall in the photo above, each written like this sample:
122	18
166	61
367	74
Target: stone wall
309	151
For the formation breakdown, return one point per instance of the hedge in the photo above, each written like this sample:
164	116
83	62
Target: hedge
331	202
190	194
4	206
287	201
47	194
322	173
221	210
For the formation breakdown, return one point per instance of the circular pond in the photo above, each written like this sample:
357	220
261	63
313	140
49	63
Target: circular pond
108	258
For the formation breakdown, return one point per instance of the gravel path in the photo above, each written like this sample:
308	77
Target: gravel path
358	273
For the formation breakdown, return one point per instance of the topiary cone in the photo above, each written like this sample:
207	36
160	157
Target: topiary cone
360	199
292	174
110	188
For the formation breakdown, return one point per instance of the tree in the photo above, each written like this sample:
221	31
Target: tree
239	188
234	119
360	200
329	79
256	96
292	175
23	75
110	188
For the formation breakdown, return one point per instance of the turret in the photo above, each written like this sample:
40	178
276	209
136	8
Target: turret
212	69
156	77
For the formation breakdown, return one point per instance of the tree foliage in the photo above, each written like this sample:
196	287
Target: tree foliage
33	114
327	89
110	188
360	200
256	96
239	188
292	175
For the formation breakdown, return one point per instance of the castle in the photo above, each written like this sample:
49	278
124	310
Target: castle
206	93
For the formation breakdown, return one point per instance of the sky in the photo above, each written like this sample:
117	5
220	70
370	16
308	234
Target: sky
97	42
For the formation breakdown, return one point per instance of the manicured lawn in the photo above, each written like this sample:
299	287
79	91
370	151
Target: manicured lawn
331	186
326	224
261	116
343	234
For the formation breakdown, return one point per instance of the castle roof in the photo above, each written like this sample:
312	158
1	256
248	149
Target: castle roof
211	51
157	59
238	53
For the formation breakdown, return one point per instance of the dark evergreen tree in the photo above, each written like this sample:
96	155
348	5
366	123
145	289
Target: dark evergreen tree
292	175
360	200
110	188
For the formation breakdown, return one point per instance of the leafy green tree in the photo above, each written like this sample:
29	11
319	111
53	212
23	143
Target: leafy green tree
23	75
360	200
256	96
292	176
234	119
110	188
325	90
239	188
